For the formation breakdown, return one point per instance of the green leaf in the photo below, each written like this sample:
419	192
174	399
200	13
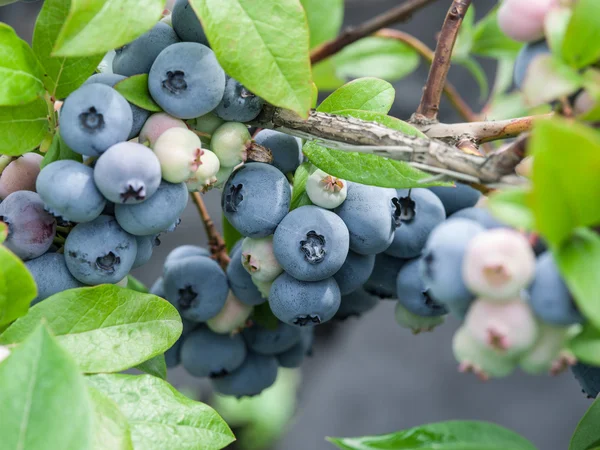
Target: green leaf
366	94
512	207
555	28
587	433
20	71
17	287
591	85
230	234
383	119
136	285
299	195
579	263
3	232
61	75
565	178
453	435
22	128
559	80
506	106
324	19
366	168
155	366
376	57
111	430
43	400
586	345
325	77
59	150
160	417
581	45
94	27
464	40
106	328
265	47
263	316
478	73
135	90
489	41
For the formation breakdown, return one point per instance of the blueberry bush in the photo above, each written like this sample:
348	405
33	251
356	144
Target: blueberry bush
121	110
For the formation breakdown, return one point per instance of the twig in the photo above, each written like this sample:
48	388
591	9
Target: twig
422	49
350	35
503	161
215	241
432	93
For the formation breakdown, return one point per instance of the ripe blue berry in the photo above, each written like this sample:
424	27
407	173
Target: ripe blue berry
293	357
456	197
355	272
286	149
51	275
588	378
145	246
181	252
186	24
382	281
480	215
240	281
257	373
355	304
266	341
417	324
414	295
238	104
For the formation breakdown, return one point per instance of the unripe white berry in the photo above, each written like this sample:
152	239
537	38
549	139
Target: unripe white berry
229	143
232	317
325	190
549	353
206	176
259	260
156	125
264	287
178	151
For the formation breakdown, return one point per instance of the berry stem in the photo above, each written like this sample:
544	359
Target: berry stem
432	93
350	35
215	240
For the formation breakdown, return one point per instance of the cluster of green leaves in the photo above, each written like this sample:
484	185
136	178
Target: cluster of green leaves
60	383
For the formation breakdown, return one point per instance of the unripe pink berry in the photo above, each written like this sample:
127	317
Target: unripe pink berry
524	20
417	324
498	264
232	317
156	125
549	353
509	327
179	152
206	176
259	260
584	103
20	174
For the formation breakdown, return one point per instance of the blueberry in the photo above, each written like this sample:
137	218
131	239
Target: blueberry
94	118
108	79
180	152
257	373
588	378
156	125
420	211
20	174
271	341
293	357
157	213
145	246
255	199
137	56
325	190
158	288
382	281
230	142
231	318
258	258
414	295
286	149
456	197
311	243
355	272
31	229
186	80
481	216
51	275
549	296
417	324
182	252
173	355
525	57
208	354
370	216
197	287
238	103
100	251
127	173
186	24
304	303
355	304
68	190
240	281
442	261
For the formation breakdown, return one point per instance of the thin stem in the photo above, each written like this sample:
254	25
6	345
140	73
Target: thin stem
350	35
216	242
422	49
432	94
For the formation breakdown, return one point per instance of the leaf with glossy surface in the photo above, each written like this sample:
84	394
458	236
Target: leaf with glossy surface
512	207
299	195
383	119
20	70
93	27
377	57
579	263
111	430
162	418
106	328
59	150
586	345
17	287
587	433
454	435
61	75
43	400
565	178
324	19
22	128
135	90
581	45
156	366
265	47
559	80
366	94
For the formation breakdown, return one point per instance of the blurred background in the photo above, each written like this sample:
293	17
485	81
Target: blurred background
368	376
